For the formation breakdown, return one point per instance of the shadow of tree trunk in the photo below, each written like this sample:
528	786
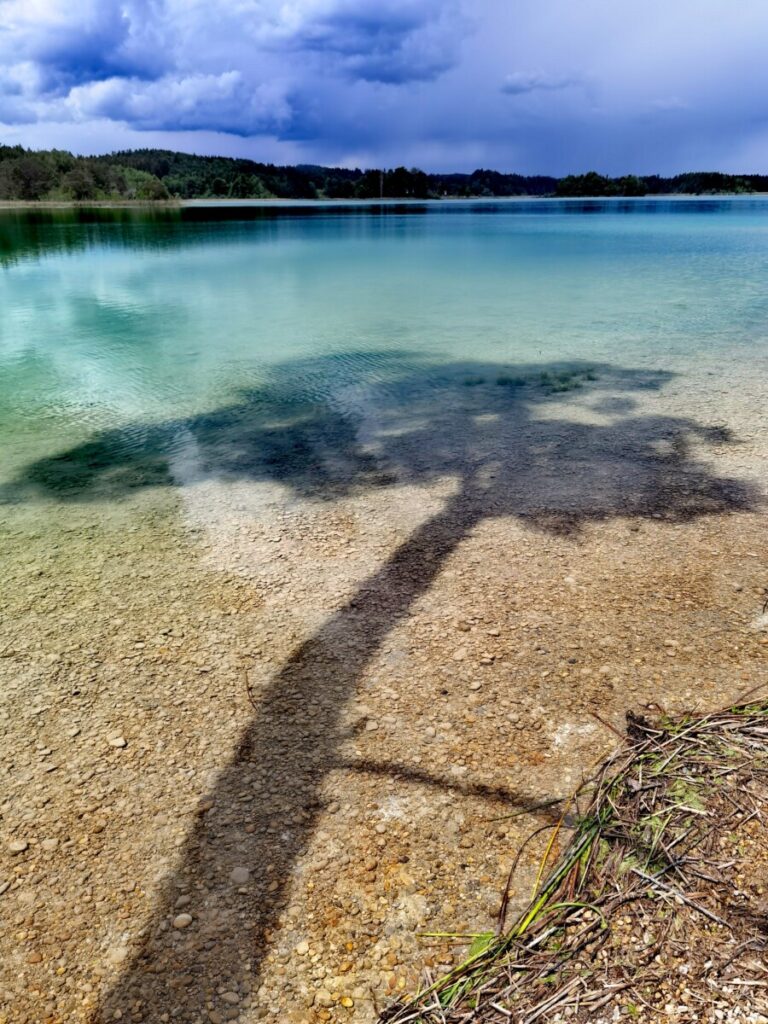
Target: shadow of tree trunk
282	760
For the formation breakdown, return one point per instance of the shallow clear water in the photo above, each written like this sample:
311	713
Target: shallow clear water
272	475
113	322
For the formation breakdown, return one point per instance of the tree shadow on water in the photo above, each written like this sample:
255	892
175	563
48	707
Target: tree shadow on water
557	447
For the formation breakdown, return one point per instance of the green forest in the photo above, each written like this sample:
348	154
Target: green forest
156	174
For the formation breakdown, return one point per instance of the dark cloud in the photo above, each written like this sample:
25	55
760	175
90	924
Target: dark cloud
534	86
224	103
391	42
109	39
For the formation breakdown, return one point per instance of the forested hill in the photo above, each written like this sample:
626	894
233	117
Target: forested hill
156	174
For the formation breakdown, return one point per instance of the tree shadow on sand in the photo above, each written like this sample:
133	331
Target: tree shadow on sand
556	447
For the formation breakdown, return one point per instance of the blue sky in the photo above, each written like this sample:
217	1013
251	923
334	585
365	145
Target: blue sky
536	86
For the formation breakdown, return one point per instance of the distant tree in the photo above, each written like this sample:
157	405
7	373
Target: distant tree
240	187
152	188
589	184
339	188
33	177
369	186
257	189
7	181
117	183
78	184
631	185
158	173
403	183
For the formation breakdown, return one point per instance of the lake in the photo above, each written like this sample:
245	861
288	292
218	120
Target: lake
325	528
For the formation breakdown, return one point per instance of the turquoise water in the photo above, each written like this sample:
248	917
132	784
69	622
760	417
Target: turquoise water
260	468
113	322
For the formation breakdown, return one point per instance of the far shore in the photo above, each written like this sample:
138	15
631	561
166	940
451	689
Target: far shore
63	204
154	204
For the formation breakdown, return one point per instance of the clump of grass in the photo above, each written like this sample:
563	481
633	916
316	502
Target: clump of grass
509	381
647	844
472	382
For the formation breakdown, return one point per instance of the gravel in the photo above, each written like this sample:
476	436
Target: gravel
127	636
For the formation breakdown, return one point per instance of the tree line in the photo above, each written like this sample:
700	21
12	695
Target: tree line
157	174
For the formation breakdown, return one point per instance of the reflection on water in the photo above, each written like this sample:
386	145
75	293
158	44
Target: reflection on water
126	316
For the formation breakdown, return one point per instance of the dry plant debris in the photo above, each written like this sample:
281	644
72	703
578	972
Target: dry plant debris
656	908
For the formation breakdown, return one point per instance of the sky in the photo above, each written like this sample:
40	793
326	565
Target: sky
534	86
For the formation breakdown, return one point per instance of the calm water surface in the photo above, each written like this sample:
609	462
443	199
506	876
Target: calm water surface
115	322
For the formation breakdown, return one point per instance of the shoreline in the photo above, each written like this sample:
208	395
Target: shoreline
154	204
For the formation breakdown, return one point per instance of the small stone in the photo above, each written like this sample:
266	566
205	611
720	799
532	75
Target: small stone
430	731
34	958
230	997
460	654
118	742
117	954
323	997
475	685
303	948
49	844
74	731
371	725
240	875
183	901
347	1002
18	845
182	921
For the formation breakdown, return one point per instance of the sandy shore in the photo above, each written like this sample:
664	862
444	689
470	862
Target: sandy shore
250	759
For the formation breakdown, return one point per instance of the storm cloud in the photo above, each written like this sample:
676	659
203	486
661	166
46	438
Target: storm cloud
533	86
